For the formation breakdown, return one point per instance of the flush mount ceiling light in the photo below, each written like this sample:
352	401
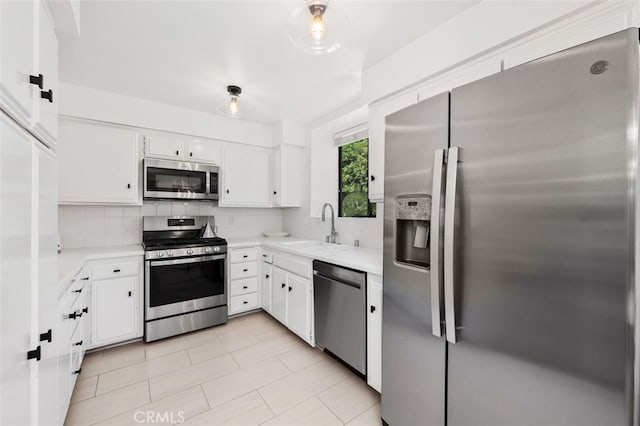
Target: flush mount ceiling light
232	109
317	27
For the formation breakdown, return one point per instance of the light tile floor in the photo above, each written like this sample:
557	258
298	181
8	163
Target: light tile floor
250	371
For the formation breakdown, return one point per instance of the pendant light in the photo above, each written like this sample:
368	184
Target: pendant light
317	27
232	109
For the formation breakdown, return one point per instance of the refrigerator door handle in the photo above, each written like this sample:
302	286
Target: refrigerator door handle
436	271
449	227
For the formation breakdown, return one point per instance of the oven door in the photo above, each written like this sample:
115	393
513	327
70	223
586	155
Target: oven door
178	286
179	180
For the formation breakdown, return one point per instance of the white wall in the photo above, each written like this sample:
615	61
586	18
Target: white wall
104	226
84	102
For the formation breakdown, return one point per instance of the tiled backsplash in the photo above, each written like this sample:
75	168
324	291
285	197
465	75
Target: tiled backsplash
101	226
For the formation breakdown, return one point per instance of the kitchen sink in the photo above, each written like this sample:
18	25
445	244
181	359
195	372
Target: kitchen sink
303	244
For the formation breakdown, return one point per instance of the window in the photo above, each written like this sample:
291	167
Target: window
353	180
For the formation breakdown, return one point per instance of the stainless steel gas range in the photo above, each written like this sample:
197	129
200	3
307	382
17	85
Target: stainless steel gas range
185	276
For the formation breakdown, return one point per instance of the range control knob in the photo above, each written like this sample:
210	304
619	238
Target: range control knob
160	254
216	249
169	253
189	251
208	250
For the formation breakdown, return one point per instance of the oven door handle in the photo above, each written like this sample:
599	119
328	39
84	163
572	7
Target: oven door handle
187	260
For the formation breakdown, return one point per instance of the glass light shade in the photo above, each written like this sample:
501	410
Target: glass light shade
321	33
233	108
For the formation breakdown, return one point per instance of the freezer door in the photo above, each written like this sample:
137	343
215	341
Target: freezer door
543	240
413	358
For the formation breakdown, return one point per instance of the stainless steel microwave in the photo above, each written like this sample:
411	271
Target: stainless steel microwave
180	180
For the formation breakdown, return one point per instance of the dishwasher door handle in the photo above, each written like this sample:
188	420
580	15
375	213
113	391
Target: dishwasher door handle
318	274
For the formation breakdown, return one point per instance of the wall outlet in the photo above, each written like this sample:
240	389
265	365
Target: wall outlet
231	220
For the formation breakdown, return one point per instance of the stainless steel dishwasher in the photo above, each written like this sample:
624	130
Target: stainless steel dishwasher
339	312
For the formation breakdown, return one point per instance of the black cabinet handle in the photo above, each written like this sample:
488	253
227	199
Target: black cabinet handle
267	276
129	294
74	315
85	309
245	302
128	186
116	270
78	343
227	191
191	154
283	285
177	152
264	255
37	80
245	256
47	95
245	270
290	288
78	371
76	291
84	278
244	287
372	309
373	178
275	192
46	337
34	354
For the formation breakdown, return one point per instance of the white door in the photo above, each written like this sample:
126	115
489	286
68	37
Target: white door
100	164
267	272
279	294
205	151
17	44
47	117
17	335
164	146
299	306
374	335
246	177
114	309
47	169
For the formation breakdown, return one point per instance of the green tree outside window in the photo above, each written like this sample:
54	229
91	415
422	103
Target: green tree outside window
354	180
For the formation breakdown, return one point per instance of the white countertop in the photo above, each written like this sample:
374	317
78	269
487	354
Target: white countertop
360	258
70	261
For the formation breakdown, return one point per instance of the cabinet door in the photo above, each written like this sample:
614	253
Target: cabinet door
17	43
46	166
114	310
278	294
204	151
290	177
100	164
16	298
276	177
267	272
46	124
299	306
164	146
374	334
246	177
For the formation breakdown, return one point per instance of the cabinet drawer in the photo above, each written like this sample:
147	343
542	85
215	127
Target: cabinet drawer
243	270
243	303
244	255
247	285
267	257
115	270
297	265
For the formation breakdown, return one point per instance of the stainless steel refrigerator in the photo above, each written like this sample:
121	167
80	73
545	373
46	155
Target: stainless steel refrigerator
510	246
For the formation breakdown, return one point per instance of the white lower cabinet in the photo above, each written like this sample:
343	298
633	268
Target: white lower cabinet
116	301
374	331
266	279
279	295
244	291
299	306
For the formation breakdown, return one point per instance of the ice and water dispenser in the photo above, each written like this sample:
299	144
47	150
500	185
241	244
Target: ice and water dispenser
413	215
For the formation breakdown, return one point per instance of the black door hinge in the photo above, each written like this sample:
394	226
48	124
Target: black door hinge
34	354
46	336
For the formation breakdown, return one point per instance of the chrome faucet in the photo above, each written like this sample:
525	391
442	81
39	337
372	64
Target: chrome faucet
330	238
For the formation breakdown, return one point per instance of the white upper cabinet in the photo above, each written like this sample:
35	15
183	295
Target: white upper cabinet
45	121
377	117
17	43
203	151
98	164
286	175
246	177
164	146
29	67
175	147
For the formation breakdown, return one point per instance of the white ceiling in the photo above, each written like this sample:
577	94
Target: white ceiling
185	53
